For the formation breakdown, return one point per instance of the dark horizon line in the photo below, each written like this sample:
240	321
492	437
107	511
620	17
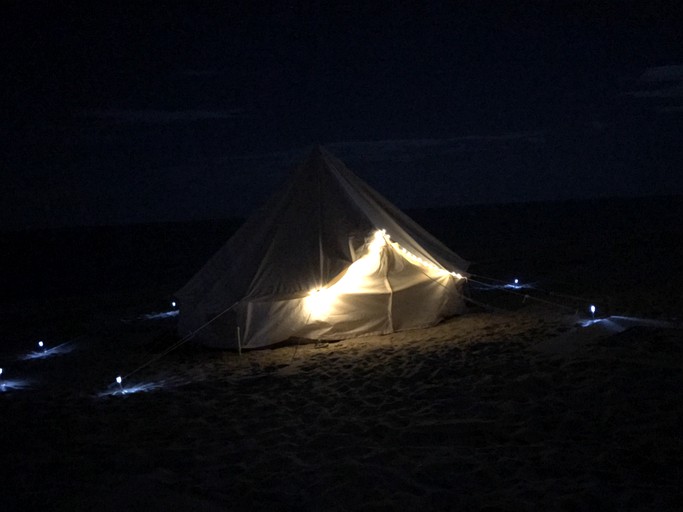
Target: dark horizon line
408	211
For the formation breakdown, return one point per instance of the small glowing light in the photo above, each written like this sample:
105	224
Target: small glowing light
516	281
320	301
41	344
173	304
130	390
118	381
379	240
0	371
592	308
418	260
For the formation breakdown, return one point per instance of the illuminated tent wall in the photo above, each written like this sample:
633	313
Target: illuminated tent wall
326	258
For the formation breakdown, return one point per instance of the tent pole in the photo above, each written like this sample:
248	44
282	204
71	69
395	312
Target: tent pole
239	341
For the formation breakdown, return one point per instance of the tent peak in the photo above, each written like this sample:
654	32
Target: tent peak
318	151
319	159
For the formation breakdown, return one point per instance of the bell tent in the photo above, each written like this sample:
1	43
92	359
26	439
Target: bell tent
326	258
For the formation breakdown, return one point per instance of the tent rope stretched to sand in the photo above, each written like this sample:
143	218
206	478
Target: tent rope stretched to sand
512	290
178	343
545	290
526	296
326	258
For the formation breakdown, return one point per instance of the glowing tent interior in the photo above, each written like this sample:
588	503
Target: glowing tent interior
325	258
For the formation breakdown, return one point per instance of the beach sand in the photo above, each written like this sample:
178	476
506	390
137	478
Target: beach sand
525	404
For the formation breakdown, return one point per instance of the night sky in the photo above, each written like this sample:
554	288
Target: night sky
116	114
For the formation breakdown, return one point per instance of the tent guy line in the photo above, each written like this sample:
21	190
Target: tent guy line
549	292
526	296
176	345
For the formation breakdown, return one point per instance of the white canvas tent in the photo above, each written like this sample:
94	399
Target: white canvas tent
326	258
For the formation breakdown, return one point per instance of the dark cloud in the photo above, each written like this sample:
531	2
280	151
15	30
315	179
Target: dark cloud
663	73
673	108
410	149
405	150
662	92
205	73
659	89
160	116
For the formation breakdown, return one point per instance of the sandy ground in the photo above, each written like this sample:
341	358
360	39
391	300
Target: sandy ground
521	406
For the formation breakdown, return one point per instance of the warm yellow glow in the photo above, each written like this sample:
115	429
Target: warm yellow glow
417	260
361	275
356	278
319	302
379	240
